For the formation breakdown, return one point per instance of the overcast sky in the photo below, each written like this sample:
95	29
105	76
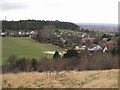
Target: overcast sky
82	11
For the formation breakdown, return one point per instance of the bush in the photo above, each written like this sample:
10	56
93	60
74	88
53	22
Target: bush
88	61
21	64
114	51
12	59
105	36
56	55
34	64
71	53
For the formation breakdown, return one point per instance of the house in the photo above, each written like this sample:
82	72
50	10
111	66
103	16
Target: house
83	35
62	40
2	33
87	39
105	49
27	33
95	48
32	32
80	47
58	35
19	33
111	42
105	39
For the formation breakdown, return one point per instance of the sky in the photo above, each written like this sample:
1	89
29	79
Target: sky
77	11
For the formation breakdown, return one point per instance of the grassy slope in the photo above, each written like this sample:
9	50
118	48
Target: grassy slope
25	47
69	31
68	79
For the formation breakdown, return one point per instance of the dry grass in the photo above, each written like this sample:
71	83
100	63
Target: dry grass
65	79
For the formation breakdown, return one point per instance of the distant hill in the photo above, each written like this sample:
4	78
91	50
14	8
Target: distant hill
37	25
99	27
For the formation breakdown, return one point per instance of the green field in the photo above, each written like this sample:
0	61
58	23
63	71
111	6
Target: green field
25	47
69	31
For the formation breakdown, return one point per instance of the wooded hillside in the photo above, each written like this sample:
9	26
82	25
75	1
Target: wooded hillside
37	25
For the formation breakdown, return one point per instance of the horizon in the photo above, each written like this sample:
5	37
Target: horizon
90	23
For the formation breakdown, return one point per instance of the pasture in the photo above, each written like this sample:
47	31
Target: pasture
25	47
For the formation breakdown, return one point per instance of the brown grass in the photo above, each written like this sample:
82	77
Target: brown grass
65	79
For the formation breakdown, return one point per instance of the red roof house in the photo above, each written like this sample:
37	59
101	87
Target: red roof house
88	39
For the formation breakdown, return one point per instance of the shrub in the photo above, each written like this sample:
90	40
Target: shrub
56	55
34	64
88	61
12	59
70	53
114	51
21	64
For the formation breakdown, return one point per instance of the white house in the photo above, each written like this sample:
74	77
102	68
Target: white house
27	33
2	33
105	49
95	48
80	47
83	35
19	33
32	32
105	39
77	48
58	35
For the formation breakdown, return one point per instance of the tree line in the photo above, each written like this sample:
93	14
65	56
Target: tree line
70	61
37	25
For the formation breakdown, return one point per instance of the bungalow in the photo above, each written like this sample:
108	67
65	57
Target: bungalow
80	47
95	48
32	32
19	33
2	33
87	39
105	39
111	42
83	35
27	33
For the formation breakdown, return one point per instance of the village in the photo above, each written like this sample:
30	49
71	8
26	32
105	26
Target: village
55	44
83	40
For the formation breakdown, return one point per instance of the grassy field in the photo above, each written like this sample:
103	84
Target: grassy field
69	31
25	47
65	79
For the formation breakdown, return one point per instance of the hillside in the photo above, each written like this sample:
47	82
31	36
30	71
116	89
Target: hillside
65	79
25	47
37	25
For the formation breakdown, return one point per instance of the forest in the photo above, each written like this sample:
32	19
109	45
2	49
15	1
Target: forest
37	25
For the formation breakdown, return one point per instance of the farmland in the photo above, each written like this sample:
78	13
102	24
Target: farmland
25	47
